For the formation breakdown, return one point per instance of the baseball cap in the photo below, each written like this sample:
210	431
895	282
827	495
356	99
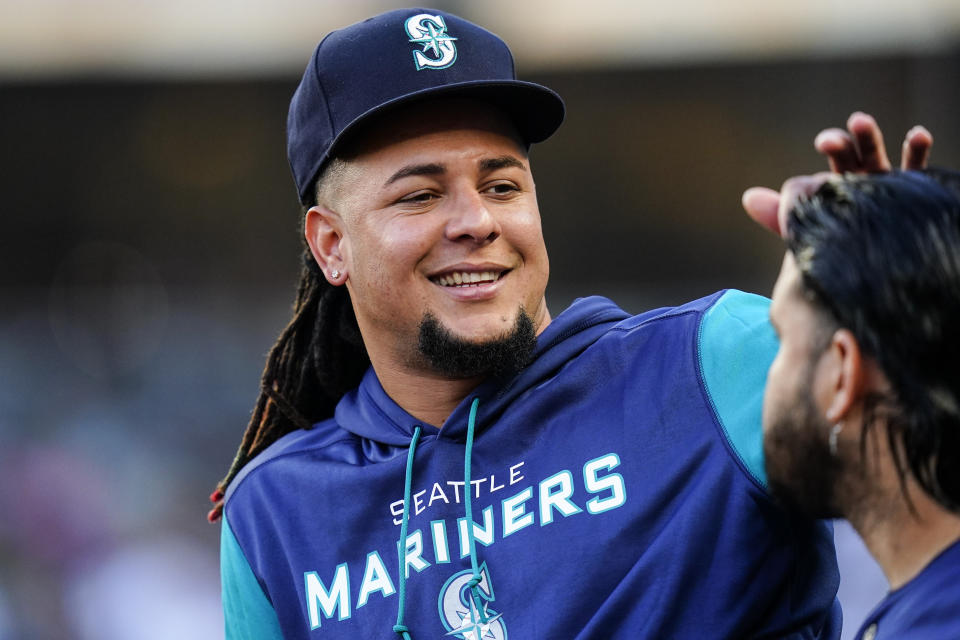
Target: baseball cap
396	58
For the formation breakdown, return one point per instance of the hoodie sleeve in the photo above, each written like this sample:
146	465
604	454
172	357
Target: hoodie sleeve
248	614
736	345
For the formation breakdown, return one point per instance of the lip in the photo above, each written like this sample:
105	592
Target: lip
473	291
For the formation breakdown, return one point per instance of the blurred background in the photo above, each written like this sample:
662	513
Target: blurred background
150	236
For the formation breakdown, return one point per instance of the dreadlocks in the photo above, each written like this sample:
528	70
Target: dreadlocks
318	357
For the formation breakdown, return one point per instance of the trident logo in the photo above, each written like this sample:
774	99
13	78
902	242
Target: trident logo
431	32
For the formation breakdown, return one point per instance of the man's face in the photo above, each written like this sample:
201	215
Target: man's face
800	468
440	220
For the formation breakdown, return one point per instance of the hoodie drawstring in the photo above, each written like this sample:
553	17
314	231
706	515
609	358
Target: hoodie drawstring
400	628
474	582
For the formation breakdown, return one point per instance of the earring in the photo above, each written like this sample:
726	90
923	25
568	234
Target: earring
335	274
834	433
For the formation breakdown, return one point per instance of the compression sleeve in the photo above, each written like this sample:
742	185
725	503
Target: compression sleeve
736	347
248	615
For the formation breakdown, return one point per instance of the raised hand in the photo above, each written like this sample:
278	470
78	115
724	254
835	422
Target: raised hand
859	149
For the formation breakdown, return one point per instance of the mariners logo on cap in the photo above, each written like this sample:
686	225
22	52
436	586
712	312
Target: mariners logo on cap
431	32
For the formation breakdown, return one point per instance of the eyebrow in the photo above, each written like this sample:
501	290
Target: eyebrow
433	169
430	169
502	162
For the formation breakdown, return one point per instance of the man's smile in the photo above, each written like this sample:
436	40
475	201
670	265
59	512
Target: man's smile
464	278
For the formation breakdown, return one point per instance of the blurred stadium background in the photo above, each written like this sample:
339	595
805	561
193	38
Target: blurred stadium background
150	246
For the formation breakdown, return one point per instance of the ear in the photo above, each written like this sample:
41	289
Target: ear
842	368
324	233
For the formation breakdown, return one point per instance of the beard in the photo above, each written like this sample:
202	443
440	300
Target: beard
456	357
801	472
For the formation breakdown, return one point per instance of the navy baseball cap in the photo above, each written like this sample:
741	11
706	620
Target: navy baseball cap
399	57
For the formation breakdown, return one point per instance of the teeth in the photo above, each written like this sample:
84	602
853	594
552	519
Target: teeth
466	278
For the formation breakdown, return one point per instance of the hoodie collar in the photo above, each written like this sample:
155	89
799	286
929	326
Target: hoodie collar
370	413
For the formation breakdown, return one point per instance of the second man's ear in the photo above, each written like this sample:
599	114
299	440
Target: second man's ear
843	366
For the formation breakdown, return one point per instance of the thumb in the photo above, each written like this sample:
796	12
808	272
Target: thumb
762	204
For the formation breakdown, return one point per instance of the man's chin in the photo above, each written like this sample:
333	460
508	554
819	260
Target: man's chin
458	353
802	477
477	328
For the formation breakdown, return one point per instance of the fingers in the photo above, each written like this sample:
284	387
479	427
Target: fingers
860	149
840	149
869	142
762	204
916	148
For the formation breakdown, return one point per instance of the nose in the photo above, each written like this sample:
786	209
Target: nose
472	220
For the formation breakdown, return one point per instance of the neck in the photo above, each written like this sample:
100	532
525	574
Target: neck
904	541
429	398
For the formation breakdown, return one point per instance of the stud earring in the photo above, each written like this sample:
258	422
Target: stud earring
335	274
834	433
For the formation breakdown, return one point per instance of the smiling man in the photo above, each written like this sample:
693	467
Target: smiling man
435	212
432	454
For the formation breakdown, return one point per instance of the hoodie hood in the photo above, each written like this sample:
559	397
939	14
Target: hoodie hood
369	412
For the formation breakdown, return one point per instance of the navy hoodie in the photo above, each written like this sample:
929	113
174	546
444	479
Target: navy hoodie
617	491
